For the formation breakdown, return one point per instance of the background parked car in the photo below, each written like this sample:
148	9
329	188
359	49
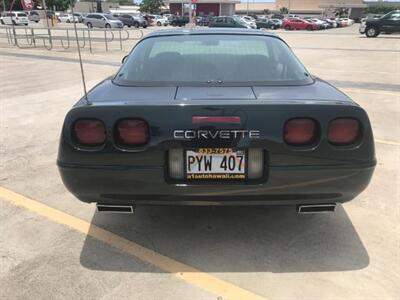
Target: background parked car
204	20
228	22
79	17
15	18
298	24
131	20
66	18
150	19
179	21
389	23
332	22
33	16
249	21
345	22
161	21
102	21
321	24
268	23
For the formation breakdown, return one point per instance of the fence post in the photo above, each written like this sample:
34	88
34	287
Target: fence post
90	41
120	41
105	39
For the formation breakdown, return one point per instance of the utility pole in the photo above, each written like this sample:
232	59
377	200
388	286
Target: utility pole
4	5
190	13
45	13
182	5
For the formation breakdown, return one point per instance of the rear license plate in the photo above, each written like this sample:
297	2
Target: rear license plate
215	164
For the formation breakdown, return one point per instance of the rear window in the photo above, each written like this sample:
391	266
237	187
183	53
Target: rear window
22	15
212	59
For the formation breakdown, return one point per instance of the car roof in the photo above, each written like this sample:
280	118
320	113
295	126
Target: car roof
194	31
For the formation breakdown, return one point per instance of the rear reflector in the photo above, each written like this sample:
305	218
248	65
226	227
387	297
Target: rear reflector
176	165
300	132
343	131
255	163
90	132
215	119
132	132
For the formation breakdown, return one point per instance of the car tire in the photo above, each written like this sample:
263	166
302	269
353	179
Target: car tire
89	25
108	26
68	21
37	21
144	26
158	23
287	27
309	28
371	32
129	26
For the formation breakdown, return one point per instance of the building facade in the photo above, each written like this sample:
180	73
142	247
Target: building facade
203	7
300	7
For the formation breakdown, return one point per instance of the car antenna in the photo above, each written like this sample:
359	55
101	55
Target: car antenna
79	54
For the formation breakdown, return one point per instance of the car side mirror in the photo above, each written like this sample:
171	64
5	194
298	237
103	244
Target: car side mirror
124	58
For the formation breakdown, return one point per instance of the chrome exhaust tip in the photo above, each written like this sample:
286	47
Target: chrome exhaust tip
316	208
121	209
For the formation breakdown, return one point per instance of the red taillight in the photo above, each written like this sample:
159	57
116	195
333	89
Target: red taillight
90	132
300	131
132	132
343	131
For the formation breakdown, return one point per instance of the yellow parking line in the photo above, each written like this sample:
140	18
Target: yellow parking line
393	143
184	272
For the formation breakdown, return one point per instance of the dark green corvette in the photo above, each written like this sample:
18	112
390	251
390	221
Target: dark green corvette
215	117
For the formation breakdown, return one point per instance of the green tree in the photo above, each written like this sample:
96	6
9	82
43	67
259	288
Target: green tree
151	6
59	5
17	5
284	10
341	12
380	9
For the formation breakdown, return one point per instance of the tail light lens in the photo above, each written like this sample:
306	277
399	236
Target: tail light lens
343	131
300	131
132	132
90	132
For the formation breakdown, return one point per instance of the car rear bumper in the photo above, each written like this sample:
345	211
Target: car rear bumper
283	186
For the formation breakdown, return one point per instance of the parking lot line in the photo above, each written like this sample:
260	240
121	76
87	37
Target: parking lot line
393	143
184	272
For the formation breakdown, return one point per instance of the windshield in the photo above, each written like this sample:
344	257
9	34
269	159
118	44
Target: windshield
212	59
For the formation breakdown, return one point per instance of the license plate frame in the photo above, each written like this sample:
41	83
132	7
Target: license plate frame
229	175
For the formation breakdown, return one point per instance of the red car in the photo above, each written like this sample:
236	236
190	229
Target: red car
290	24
